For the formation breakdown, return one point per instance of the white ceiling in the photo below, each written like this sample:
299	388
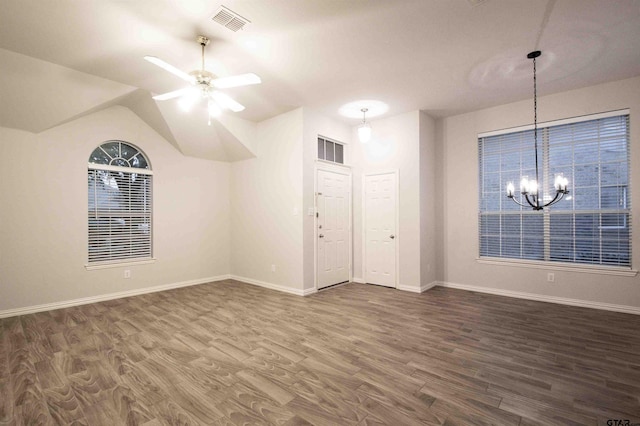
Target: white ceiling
440	56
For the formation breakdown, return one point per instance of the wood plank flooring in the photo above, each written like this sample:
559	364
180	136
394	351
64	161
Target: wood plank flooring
230	353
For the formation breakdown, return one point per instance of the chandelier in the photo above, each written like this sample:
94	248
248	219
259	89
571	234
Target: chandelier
529	188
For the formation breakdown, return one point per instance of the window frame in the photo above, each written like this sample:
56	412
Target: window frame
97	212
625	270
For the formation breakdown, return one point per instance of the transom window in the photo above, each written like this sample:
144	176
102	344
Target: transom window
119	204
329	150
591	225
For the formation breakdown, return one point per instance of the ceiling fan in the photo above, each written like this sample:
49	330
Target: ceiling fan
204	85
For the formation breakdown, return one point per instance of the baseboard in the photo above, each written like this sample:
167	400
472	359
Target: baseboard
409	288
421	289
428	286
309	291
543	298
358	280
104	297
271	286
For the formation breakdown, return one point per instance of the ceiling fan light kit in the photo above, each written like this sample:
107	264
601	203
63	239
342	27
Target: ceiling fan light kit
203	86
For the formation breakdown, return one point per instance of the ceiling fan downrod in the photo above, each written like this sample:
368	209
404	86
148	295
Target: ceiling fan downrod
203	77
204	41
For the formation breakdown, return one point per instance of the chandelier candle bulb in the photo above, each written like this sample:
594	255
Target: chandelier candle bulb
561	183
533	187
524	185
510	189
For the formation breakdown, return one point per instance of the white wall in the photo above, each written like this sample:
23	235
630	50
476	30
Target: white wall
266	207
212	219
460	199
428	205
43	193
395	145
316	124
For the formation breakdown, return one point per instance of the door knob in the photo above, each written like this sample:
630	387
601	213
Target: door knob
320	236
392	236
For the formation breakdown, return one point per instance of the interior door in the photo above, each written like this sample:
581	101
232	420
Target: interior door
380	228
333	201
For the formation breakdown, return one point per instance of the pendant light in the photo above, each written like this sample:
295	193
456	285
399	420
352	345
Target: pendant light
530	188
364	131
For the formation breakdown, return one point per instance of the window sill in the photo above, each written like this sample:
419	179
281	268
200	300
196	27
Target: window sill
124	264
558	266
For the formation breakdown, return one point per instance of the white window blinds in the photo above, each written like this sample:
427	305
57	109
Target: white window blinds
592	225
119	207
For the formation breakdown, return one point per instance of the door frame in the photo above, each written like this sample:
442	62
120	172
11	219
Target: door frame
396	172
342	170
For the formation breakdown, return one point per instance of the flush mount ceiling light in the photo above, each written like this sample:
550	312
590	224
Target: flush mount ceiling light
364	130
529	188
203	85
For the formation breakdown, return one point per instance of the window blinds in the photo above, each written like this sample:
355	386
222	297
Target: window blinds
592	225
119	214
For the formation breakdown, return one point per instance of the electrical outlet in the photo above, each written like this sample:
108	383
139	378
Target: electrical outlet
127	273
551	277
273	268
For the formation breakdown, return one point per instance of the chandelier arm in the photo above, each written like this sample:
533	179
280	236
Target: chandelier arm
516	201
535	205
559	196
555	199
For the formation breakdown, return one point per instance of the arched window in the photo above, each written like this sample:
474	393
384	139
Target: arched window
119	182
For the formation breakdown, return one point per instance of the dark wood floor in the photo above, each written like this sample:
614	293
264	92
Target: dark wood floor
232	353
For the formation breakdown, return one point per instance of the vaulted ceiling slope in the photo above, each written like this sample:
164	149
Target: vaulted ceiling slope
62	59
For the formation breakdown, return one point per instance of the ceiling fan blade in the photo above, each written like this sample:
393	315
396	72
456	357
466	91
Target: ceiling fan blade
236	80
171	95
226	101
168	67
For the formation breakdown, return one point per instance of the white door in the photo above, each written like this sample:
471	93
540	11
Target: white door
380	229
333	201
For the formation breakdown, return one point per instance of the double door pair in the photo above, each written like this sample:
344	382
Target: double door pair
333	228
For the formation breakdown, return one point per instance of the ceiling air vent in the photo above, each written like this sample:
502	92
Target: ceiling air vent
229	19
